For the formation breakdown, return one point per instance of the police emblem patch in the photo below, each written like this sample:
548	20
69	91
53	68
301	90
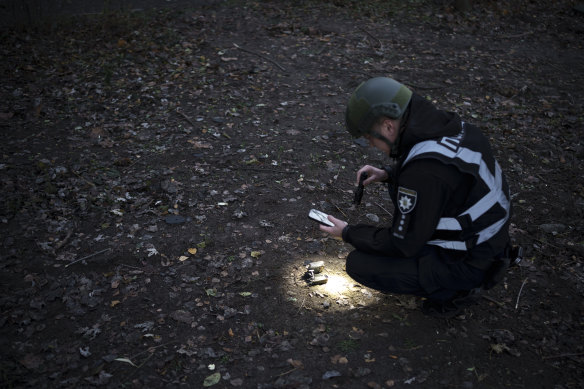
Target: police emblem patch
406	199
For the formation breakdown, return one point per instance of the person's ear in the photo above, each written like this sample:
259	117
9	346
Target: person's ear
391	126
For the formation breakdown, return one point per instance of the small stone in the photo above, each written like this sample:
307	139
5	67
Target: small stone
374	218
553	228
169	186
361	372
182	316
175	219
330	374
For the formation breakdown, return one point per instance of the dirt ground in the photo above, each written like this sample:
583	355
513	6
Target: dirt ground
158	168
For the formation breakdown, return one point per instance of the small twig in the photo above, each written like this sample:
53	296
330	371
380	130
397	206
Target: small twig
188	119
492	300
301	305
261	56
373	37
151	351
131	267
287	372
322	50
64	241
144	362
87	257
546	243
428	86
268	170
563	355
340	210
153	348
145	207
83	178
380	206
519	294
515	36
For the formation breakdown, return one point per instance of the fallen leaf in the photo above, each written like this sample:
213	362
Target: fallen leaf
211	292
295	363
182	316
114	303
192	250
183	258
125	360
499	348
151	251
200	145
212	380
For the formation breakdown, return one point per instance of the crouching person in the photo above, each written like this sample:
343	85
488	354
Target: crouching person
452	206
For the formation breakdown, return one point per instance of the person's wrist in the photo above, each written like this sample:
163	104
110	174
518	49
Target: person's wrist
345	231
387	171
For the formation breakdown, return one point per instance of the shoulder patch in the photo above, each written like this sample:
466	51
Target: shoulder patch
406	199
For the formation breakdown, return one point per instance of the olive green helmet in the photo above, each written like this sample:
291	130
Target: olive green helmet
376	97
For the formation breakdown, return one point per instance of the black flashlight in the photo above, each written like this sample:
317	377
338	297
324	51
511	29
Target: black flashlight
359	191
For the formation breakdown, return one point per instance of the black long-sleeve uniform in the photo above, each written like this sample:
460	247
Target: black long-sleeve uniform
441	191
451	210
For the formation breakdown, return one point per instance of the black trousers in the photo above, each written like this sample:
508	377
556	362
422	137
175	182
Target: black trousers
427	275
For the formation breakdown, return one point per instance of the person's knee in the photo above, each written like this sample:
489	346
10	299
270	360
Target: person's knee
390	275
353	265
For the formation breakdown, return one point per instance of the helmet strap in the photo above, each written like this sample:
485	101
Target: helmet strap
392	145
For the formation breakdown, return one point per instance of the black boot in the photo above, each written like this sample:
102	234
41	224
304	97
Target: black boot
512	256
452	307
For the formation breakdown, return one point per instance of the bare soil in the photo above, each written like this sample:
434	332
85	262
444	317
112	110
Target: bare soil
158	168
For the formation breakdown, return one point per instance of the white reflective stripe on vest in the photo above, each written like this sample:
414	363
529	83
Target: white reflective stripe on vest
492	230
449	244
449	224
495	195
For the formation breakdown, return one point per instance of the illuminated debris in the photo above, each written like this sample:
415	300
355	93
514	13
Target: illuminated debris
319	279
312	277
316	267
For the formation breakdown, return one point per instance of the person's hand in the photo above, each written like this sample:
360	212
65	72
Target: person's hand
337	230
374	174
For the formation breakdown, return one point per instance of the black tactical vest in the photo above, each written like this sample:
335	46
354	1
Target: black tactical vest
481	227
